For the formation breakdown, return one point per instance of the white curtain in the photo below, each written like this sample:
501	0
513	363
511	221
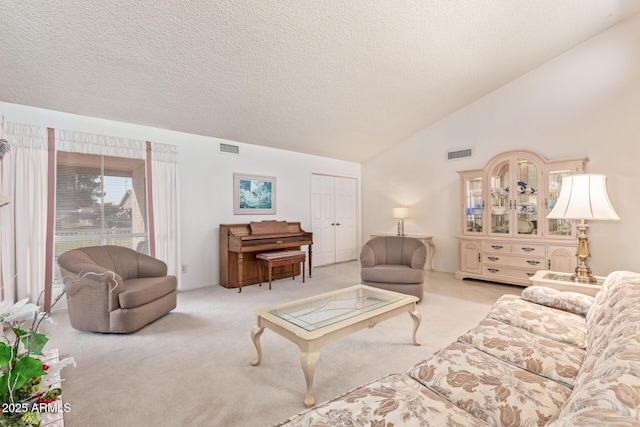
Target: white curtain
24	220
164	160
164	164
24	179
86	143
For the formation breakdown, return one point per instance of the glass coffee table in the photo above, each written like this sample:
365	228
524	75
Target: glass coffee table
315	321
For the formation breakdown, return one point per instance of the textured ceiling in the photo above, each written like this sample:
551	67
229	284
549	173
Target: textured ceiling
343	79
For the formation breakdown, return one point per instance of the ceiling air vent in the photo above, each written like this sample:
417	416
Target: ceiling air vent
229	149
460	154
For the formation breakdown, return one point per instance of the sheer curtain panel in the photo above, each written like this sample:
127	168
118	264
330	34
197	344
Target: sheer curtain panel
164	189
24	221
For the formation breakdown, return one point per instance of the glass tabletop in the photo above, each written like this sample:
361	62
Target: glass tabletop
328	309
567	278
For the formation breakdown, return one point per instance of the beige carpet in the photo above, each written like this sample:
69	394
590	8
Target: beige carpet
192	367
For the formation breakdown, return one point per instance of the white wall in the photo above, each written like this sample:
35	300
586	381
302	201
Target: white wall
585	102
206	181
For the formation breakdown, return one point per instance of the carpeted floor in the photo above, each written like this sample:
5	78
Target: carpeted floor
192	367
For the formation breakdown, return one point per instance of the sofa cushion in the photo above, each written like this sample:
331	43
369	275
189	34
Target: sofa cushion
392	274
555	360
608	384
620	339
142	291
573	302
595	416
395	400
617	279
621	293
490	389
614	385
541	320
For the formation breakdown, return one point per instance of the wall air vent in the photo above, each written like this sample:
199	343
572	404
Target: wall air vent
229	149
460	154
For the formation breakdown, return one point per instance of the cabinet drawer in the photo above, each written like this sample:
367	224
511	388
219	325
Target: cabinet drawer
517	273
514	261
496	247
525	248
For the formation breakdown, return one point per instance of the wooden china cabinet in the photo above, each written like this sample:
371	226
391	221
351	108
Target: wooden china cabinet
506	236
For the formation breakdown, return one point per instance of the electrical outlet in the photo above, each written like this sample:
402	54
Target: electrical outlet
184	268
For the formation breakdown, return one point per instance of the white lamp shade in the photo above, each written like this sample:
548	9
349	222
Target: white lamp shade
4	200
584	197
401	213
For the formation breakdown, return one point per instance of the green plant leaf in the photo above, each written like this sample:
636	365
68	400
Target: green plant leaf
19	331
28	367
25	369
6	354
35	342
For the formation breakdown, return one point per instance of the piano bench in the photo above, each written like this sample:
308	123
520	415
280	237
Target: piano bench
275	259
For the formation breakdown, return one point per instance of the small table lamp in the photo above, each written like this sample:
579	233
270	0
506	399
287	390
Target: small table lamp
583	197
400	214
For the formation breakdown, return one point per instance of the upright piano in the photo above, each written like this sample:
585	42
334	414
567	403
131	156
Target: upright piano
239	244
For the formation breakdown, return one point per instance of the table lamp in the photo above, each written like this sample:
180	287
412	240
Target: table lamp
583	197
400	214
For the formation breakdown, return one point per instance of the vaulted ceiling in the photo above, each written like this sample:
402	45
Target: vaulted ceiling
343	79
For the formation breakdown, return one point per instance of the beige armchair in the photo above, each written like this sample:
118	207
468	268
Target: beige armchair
394	263
115	289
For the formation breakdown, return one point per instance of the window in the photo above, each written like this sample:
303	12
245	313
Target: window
100	200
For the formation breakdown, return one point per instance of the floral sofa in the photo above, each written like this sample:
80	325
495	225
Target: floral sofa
546	358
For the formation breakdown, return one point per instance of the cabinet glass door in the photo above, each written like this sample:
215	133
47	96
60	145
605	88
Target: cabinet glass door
557	227
525	196
499	200
474	205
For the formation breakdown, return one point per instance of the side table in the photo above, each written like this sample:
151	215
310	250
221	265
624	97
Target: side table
563	282
425	238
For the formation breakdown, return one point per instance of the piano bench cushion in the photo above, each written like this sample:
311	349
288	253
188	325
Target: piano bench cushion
271	256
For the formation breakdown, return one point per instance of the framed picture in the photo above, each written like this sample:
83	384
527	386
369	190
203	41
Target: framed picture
254	194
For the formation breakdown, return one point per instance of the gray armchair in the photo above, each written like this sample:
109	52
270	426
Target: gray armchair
115	289
394	263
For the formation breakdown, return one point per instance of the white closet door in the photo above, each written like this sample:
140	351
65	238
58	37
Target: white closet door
322	212
346	219
334	219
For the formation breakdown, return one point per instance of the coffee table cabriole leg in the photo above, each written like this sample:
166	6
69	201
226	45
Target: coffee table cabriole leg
309	360
417	318
256	333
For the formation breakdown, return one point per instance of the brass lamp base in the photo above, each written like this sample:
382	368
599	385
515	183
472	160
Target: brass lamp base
583	276
583	273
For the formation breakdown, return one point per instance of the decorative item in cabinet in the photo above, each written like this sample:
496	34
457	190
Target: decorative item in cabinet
507	202
474	207
514	198
557	226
